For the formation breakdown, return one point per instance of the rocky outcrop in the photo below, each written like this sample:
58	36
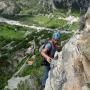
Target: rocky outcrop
21	83
47	5
72	69
8	8
70	5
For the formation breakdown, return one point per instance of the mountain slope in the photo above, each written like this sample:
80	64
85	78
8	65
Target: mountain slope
42	6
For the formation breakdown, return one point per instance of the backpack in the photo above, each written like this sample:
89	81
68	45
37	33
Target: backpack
44	62
43	45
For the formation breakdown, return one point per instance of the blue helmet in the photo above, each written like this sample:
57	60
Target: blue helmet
56	36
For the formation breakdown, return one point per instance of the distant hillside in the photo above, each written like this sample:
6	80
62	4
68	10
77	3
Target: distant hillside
41	6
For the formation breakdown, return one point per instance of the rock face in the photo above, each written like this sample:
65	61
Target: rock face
8	8
72	69
81	5
21	83
69	5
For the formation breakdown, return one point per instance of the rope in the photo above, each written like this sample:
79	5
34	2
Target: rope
21	68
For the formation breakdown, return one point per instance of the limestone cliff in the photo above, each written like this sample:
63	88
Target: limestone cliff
72	69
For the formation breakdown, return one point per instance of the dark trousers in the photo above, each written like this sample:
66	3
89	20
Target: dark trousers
45	75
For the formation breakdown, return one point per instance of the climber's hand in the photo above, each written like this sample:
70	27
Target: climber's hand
49	59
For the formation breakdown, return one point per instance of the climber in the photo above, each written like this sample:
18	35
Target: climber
48	54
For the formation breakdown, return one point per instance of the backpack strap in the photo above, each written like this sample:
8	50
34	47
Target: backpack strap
50	48
44	62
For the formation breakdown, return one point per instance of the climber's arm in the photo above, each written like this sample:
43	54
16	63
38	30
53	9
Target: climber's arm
44	54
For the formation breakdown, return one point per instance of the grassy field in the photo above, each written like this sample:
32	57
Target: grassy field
12	32
51	20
